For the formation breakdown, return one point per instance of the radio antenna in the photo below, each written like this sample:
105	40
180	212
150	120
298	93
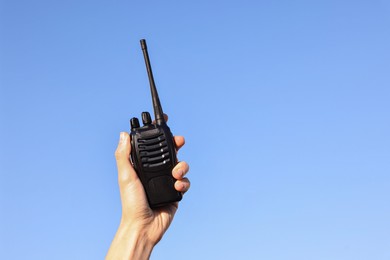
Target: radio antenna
158	112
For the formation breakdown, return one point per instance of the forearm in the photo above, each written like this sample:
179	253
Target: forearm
129	243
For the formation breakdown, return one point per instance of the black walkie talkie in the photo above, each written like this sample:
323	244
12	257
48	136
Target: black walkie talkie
153	151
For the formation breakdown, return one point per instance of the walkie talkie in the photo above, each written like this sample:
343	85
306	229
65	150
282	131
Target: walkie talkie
153	151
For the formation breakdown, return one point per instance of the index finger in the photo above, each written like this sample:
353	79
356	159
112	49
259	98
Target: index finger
179	141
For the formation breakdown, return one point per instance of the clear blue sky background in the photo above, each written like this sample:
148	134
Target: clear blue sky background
284	105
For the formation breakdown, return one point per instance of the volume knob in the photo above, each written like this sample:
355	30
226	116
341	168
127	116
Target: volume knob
146	118
134	123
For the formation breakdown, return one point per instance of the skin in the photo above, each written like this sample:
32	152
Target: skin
141	227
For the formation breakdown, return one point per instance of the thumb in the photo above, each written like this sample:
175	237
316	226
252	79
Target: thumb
126	172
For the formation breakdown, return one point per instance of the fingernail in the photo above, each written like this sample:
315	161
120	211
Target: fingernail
122	137
179	173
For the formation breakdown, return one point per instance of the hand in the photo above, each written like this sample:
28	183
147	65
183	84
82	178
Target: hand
141	227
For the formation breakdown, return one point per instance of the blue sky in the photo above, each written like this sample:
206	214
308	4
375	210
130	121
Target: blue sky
284	106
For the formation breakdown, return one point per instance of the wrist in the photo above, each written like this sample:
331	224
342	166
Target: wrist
130	242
